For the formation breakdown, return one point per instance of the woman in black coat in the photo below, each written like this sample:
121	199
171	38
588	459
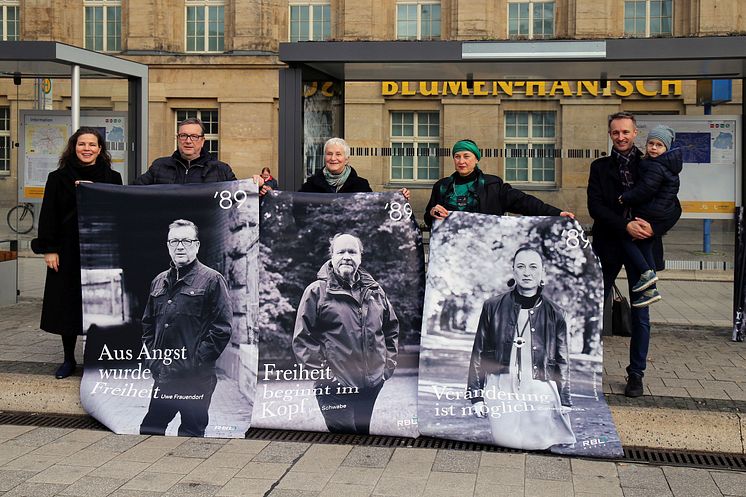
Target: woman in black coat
87	160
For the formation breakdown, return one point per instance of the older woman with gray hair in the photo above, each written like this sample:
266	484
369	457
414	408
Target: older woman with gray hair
337	175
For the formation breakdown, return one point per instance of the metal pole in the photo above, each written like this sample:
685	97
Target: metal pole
707	223
75	98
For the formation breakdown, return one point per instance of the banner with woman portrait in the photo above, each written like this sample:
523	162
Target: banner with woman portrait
341	288
511	350
170	299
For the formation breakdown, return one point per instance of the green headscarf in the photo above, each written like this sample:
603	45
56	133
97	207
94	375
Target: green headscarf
466	146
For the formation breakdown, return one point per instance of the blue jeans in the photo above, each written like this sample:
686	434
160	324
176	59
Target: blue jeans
613	257
640	254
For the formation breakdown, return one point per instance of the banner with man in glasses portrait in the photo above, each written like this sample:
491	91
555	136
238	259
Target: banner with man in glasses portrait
170	298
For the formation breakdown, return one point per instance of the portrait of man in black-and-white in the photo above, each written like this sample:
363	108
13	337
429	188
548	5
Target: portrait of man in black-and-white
519	373
347	329
186	326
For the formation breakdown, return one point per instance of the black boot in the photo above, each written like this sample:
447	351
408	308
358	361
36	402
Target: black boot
66	369
634	385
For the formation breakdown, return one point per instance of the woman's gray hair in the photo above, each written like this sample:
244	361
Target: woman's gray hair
338	141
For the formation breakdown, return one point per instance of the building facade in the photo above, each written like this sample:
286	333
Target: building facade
218	60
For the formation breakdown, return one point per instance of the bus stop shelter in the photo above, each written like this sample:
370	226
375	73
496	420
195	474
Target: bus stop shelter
542	60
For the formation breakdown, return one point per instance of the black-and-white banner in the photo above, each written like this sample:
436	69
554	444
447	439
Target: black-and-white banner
341	291
511	351
170	301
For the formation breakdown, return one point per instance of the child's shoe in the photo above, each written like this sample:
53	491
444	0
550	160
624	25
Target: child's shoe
648	297
647	279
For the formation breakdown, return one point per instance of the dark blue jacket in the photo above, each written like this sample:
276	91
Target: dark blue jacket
654	196
177	170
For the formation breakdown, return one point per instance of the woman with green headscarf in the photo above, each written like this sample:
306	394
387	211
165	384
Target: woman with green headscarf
469	189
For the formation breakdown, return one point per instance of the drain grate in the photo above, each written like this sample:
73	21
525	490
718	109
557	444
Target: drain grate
709	460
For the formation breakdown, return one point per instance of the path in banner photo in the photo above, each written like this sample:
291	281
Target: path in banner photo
230	409
444	363
395	412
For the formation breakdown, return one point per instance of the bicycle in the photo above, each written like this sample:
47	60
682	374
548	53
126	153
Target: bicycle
21	218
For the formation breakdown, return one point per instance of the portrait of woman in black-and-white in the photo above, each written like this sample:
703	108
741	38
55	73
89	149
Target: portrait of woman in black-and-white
519	374
511	350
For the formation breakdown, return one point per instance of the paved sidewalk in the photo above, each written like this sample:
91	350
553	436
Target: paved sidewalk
55	461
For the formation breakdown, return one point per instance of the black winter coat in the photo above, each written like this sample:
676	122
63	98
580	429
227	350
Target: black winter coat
654	196
177	170
354	184
62	311
497	197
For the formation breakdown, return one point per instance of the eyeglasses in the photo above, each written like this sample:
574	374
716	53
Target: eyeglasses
186	242
183	137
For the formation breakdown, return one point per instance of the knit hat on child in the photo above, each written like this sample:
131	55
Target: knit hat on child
662	133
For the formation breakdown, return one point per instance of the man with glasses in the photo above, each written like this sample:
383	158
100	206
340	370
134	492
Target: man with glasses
190	163
186	326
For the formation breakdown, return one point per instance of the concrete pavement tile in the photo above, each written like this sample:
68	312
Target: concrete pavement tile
85	436
62	449
264	470
663	391
501	476
322	458
730	483
490	490
736	395
10	451
31	462
210	475
584	467
92	456
120	443
357	476
291	492
243	446
304	480
502	459
646	492
346	490
368	457
41	436
441	484
163	442
35	490
708	393
414	455
8	432
456	461
173	464
192	489
124	492
229	459
13	478
547	468
682	383
542	488
60	473
407	469
152	482
398	486
201	449
281	452
120	469
597	485
690	482
90	486
245	487
140	453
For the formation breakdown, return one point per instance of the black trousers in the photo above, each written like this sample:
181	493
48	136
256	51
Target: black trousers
189	396
346	409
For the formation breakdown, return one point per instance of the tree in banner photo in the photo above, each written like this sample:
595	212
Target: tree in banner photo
341	289
170	302
511	337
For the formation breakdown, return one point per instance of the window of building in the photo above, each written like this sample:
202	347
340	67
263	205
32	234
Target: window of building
5	145
9	20
209	118
532	20
415	138
205	25
103	25
310	21
646	18
418	20
530	147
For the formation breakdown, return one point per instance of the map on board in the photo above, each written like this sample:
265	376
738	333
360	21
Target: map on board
46	139
695	147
